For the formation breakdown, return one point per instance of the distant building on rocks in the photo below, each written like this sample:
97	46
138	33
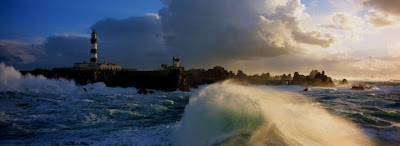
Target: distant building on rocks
94	64
175	62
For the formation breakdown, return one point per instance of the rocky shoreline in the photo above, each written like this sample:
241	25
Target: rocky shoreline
172	79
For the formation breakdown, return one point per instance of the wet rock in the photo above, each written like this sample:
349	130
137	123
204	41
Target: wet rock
151	92
344	82
142	91
360	86
23	105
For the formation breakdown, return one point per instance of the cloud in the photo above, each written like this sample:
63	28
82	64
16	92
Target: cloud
315	38
16	52
255	36
344	21
202	33
380	18
134	42
65	49
349	6
388	6
394	50
56	51
227	30
383	12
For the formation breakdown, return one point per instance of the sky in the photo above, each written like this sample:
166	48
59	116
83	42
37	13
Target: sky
354	39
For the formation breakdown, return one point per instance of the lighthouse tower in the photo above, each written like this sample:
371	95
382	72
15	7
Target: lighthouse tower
94	64
93	49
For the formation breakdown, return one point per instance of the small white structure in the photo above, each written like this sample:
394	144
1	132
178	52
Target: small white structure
175	62
97	66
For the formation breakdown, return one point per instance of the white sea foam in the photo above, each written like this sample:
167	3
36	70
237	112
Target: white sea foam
11	79
241	115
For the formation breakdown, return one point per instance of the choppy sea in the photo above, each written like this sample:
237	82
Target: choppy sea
39	111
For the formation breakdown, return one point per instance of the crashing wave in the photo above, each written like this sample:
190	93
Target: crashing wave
225	114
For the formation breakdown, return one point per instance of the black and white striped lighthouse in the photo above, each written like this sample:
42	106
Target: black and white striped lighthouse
93	49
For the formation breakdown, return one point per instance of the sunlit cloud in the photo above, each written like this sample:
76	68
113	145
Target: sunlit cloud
381	19
344	21
254	36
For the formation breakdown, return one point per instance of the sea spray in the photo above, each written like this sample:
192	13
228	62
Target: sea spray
226	114
11	79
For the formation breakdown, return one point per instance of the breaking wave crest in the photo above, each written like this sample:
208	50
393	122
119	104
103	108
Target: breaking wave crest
225	114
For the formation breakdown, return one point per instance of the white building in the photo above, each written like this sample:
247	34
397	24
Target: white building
97	66
175	62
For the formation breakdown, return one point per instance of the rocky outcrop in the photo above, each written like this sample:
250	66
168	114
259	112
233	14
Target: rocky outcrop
314	79
142	91
344	82
165	80
197	77
360	86
176	78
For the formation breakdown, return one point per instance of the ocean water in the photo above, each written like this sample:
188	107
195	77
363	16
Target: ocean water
39	111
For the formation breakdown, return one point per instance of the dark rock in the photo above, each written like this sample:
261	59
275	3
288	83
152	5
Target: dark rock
314	79
313	73
197	77
23	105
165	80
241	75
172	79
142	91
360	86
151	92
343	82
307	89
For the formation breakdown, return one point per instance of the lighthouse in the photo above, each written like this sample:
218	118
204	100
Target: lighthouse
93	49
94	64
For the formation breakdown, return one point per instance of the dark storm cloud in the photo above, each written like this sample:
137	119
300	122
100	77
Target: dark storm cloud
15	52
56	51
202	33
208	30
134	42
64	50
